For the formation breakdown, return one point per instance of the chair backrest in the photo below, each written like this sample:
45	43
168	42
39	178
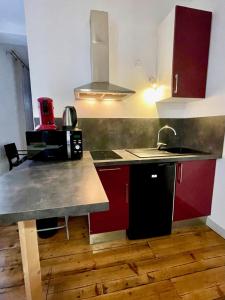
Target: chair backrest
11	153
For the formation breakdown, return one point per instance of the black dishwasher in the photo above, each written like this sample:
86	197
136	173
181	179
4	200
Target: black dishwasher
151	200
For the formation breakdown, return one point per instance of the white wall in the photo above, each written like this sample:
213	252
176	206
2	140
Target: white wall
59	51
12	122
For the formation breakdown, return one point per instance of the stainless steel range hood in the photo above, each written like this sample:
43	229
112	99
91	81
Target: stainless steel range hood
100	88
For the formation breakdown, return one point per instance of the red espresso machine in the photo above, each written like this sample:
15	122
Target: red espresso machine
47	120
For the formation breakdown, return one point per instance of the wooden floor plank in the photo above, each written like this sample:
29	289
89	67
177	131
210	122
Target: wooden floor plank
63	248
11	276
209	252
151	265
211	293
9	239
123	255
88	261
87	278
13	293
176	271
18	292
112	286
170	272
155	291
72	263
200	280
222	288
214	262
57	248
10	257
75	294
175	244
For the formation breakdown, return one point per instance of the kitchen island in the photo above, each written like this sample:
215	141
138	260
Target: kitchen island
36	190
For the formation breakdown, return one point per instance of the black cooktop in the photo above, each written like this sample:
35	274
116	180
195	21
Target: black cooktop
104	155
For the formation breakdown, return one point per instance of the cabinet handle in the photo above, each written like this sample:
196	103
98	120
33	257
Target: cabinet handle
176	83
127	192
112	169
180	173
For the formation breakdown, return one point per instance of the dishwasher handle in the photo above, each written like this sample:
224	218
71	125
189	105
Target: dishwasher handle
109	169
167	164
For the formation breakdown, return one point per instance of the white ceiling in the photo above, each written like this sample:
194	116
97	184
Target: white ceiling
12	17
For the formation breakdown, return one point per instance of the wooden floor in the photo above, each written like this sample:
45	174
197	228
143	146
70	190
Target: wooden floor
189	264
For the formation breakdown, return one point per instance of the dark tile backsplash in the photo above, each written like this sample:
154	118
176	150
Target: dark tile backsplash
106	134
205	133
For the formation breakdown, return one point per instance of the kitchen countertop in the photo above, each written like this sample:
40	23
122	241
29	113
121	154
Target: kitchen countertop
36	190
128	158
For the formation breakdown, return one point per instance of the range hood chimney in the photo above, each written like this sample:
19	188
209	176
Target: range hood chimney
100	88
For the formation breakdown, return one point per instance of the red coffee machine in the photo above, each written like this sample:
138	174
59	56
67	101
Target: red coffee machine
47	120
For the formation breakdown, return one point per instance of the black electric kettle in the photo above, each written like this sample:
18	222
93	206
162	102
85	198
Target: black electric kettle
69	118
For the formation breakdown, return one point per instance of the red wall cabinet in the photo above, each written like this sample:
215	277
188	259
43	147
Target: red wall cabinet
191	51
194	189
184	39
115	181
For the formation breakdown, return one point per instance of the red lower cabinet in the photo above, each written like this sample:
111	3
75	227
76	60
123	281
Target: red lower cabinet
115	181
194	189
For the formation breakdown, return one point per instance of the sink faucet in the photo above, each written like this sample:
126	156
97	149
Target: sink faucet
159	144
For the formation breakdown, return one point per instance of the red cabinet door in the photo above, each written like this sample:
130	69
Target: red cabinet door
191	52
194	189
115	181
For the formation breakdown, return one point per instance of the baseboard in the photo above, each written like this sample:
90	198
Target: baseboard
189	222
215	227
107	236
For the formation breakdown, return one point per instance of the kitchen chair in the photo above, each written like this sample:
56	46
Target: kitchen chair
14	155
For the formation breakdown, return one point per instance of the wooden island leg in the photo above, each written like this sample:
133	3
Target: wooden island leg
30	259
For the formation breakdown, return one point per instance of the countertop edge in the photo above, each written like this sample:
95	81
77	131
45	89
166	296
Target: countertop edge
78	210
132	159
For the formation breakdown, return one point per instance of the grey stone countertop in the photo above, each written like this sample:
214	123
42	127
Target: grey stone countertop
128	159
36	190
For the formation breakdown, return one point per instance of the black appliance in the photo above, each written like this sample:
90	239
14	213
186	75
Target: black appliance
151	200
54	145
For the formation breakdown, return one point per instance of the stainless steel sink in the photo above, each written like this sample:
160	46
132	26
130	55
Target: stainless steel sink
149	152
182	150
165	152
